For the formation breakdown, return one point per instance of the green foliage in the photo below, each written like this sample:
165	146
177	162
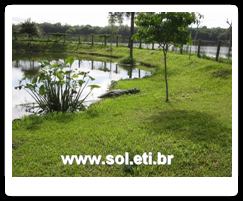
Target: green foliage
29	28
165	28
203	33
127	60
118	16
189	42
58	87
58	36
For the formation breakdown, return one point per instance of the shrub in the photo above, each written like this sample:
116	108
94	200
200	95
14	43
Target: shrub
127	61
58	87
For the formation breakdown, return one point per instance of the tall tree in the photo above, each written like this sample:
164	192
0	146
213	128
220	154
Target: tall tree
119	17
132	15
165	28
29	28
112	22
198	21
230	36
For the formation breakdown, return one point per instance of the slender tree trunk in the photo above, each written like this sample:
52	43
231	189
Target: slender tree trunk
197	29
230	42
112	37
181	49
166	81
131	34
190	51
29	39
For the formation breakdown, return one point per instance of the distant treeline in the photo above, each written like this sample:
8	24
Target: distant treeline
202	33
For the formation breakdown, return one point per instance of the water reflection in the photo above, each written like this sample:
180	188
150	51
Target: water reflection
104	73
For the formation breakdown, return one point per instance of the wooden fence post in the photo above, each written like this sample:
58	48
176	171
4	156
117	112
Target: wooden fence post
116	41
152	46
105	37
229	50
140	44
92	65
218	50
92	40
64	38
198	49
181	49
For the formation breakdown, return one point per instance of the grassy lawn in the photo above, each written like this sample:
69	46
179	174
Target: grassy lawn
195	126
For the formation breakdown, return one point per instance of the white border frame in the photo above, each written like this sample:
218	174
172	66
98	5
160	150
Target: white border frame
166	186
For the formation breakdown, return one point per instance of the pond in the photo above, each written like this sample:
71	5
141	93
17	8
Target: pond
209	51
103	72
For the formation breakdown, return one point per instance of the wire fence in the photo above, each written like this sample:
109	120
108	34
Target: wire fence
202	48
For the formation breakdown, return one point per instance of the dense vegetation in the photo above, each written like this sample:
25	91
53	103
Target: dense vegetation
57	87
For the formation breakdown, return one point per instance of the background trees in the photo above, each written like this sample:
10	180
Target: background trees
204	33
29	28
165	28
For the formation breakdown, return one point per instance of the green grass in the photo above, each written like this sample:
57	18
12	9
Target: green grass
195	126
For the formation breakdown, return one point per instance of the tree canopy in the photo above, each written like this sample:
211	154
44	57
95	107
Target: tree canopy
29	28
164	28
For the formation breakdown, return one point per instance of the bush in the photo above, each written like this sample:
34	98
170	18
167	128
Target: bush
127	61
58	87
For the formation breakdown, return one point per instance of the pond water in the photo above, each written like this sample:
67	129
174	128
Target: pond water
103	72
209	51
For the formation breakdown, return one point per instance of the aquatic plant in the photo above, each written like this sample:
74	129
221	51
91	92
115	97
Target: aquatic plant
58	87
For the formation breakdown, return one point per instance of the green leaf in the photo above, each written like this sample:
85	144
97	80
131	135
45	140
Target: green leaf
29	86
81	82
91	78
42	90
45	63
61	82
34	80
75	76
93	86
69	60
59	75
67	72
55	65
82	73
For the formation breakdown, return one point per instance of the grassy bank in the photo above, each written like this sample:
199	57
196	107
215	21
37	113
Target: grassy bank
195	126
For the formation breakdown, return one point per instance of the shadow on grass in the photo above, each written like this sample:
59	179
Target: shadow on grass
61	117
16	143
190	125
33	122
222	73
